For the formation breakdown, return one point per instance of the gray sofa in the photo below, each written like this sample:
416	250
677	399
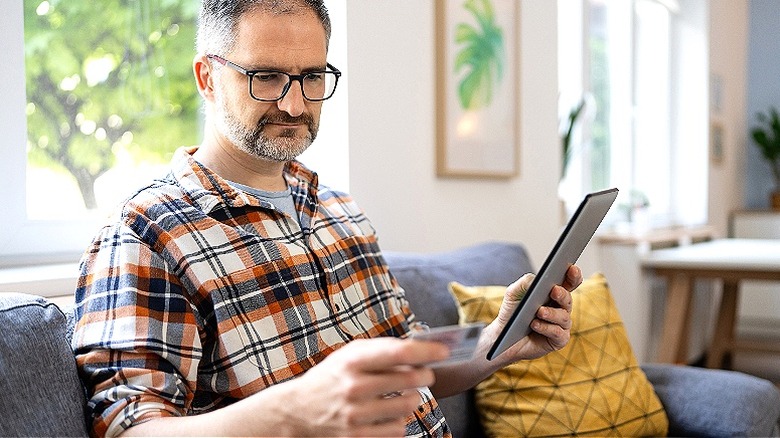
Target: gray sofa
698	402
40	394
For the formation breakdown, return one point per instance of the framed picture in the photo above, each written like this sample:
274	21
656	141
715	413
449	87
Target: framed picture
716	143
716	93
477	81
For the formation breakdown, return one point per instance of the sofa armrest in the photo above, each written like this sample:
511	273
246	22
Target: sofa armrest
706	402
40	391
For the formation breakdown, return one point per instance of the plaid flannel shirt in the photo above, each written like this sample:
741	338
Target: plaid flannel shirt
199	294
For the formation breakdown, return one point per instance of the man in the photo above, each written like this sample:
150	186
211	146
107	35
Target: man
239	289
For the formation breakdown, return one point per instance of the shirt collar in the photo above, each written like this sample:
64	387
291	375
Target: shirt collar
210	191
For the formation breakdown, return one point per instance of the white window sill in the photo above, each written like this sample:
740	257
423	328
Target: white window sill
56	282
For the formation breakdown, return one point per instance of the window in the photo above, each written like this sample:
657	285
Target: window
95	102
640	67
110	96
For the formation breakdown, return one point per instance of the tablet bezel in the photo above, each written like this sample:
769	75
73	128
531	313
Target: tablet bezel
570	245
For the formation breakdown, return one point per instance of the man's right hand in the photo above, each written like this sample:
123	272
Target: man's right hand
366	388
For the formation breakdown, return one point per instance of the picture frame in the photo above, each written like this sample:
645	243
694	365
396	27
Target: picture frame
716	93
477	91
717	140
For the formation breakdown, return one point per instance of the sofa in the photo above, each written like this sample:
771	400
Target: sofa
41	395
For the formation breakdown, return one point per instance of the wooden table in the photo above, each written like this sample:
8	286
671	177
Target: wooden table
730	260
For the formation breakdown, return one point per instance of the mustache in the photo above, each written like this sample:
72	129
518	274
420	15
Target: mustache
282	117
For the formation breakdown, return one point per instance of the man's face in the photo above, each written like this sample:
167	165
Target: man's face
276	131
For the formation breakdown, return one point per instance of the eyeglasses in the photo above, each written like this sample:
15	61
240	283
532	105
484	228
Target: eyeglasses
272	85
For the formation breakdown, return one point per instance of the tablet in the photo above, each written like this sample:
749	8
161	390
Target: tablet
567	250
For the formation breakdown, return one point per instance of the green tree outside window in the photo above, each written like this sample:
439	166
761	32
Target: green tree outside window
108	76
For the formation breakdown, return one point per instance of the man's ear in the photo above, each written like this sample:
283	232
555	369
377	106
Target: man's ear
204	76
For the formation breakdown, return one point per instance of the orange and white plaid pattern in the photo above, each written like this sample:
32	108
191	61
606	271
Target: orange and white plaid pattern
199	294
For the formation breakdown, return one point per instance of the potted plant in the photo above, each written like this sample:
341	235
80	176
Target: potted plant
767	138
568	131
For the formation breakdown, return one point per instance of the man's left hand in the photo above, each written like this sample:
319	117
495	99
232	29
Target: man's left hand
551	328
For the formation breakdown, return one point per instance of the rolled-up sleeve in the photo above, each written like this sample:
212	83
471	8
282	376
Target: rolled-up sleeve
136	338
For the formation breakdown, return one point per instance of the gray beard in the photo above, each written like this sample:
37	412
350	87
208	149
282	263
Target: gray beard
254	141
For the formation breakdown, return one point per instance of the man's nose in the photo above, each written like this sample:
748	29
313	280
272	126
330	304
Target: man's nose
293	102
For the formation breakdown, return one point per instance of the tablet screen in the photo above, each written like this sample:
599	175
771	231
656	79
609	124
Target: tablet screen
575	237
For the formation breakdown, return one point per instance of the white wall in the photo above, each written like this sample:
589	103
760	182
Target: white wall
392	135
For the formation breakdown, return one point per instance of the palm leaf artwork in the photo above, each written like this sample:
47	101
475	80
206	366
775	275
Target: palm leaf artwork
482	56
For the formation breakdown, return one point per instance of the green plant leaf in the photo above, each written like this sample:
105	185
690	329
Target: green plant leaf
766	136
482	56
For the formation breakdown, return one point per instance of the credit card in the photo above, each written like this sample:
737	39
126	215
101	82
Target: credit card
462	341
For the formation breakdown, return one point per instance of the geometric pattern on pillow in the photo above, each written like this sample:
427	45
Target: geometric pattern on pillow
591	387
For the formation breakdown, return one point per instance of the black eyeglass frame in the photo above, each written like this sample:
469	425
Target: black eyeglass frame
290	78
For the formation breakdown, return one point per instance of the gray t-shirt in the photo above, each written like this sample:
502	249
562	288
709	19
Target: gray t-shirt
282	201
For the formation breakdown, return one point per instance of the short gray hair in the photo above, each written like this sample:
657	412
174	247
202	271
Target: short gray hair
218	20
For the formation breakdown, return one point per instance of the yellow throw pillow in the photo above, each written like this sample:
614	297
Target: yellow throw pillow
593	386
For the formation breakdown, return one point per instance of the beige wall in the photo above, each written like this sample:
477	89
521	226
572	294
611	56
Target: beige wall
728	60
392	130
392	135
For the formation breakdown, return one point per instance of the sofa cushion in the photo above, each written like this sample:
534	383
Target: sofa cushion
593	386
425	277
40	392
710	402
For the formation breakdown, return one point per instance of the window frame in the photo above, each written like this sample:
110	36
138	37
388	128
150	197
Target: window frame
24	241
